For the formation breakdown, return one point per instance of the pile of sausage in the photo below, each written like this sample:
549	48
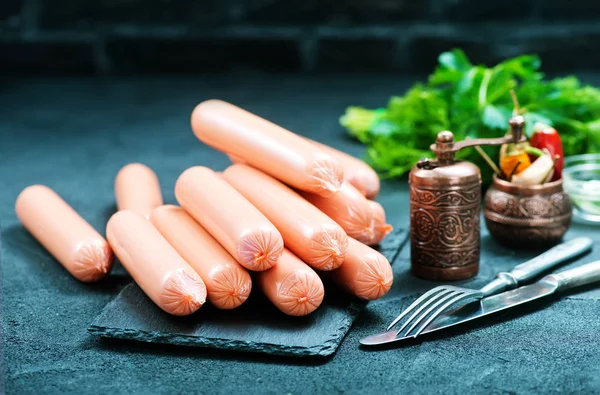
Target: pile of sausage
288	211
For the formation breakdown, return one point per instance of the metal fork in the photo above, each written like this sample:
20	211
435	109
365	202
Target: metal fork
439	299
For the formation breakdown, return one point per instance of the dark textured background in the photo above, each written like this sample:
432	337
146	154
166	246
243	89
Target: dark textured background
74	134
192	36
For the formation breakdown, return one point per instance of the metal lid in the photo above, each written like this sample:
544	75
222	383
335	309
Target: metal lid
444	175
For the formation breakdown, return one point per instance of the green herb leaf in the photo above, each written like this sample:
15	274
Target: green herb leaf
495	117
474	101
455	60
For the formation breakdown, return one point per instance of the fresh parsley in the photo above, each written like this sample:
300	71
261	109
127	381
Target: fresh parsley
474	101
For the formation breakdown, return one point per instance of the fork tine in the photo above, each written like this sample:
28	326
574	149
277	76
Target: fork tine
414	304
442	309
442	296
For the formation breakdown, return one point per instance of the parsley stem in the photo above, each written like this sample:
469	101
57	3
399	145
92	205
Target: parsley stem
516	109
487	76
488	160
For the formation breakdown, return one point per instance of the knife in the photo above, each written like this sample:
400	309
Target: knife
550	284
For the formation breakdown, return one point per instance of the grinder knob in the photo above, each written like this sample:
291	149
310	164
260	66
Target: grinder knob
445	136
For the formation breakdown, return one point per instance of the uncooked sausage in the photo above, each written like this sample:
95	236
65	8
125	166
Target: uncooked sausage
228	284
357	172
68	237
266	146
380	227
137	189
229	217
307	232
292	286
155	266
350	209
365	272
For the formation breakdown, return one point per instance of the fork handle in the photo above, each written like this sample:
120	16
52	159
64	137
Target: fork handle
534	267
576	277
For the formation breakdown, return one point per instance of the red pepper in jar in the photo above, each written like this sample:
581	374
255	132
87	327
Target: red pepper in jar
546	137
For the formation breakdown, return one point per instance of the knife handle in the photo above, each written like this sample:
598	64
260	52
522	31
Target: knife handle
536	266
554	256
582	275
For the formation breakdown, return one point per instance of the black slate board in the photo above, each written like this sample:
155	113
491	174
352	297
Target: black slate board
256	326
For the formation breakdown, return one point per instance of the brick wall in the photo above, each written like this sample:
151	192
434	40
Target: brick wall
190	36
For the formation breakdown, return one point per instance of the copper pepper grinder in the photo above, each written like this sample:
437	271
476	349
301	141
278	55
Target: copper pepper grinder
445	201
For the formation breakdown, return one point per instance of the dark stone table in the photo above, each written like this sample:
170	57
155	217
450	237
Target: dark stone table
74	134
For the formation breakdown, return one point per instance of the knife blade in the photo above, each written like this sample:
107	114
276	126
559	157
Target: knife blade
548	285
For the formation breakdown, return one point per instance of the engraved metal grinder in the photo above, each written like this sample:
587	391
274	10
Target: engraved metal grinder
445	202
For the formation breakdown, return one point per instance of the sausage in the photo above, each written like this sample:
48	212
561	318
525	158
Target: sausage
349	209
380	227
228	284
365	272
292	286
155	266
266	146
235	160
137	189
306	231
360	218
231	219
356	172
68	237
